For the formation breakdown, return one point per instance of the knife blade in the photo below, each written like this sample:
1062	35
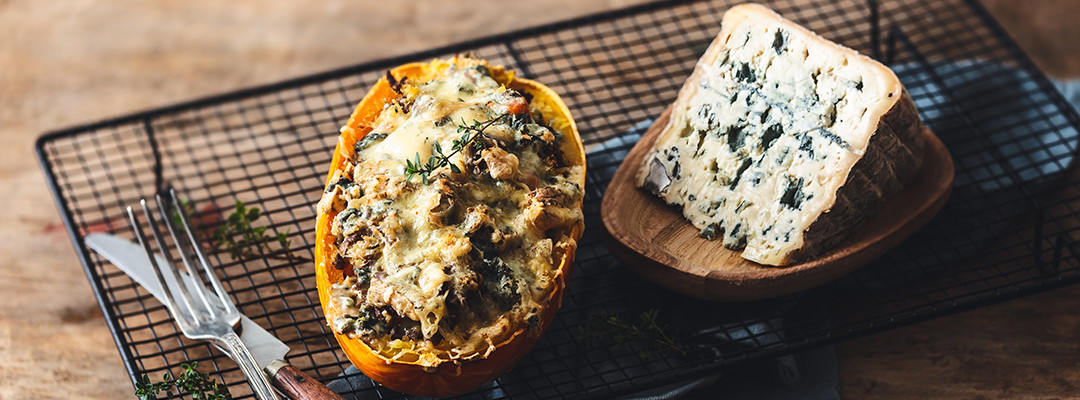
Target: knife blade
268	350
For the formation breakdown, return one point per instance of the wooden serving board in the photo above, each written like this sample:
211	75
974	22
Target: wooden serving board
653	238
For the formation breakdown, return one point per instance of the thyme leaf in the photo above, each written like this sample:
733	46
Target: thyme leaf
619	332
471	135
197	384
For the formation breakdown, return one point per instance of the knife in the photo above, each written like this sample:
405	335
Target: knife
269	351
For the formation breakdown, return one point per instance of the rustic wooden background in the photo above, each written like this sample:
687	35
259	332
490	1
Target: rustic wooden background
66	62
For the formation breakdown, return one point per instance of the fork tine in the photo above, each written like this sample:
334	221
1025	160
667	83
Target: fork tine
184	285
170	297
211	276
216	324
196	283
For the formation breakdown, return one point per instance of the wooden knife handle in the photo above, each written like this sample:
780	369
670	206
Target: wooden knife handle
297	385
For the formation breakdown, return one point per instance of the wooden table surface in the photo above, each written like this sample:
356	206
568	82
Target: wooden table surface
67	62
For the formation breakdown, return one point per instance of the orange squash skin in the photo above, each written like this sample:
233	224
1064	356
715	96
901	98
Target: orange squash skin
449	378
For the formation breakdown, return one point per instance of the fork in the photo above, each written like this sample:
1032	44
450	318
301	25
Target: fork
200	315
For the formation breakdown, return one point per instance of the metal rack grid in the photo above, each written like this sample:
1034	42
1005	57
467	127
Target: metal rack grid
1009	229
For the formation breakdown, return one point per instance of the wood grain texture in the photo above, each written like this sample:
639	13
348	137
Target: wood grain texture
655	240
1040	29
297	385
68	62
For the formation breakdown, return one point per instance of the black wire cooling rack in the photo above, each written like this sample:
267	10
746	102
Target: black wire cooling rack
1009	229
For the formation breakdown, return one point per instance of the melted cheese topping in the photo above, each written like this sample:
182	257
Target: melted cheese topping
441	267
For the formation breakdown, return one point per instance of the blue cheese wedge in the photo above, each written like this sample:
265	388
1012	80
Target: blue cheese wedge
781	143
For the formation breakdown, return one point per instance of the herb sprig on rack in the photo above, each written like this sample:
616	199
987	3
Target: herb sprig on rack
197	384
238	235
243	240
471	134
619	332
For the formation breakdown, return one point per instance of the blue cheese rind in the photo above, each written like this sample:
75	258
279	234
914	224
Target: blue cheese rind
782	143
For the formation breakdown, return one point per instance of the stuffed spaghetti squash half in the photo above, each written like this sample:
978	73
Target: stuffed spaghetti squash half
447	230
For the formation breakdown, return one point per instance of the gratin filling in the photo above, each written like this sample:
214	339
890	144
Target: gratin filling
444	266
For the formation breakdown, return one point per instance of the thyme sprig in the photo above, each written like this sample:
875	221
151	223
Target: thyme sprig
197	384
619	332
243	240
238	236
471	134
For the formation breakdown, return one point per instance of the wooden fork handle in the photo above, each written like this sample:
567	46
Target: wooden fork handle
297	385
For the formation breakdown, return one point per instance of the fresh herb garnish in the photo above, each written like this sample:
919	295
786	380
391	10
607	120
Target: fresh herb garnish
470	135
619	332
197	384
237	235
